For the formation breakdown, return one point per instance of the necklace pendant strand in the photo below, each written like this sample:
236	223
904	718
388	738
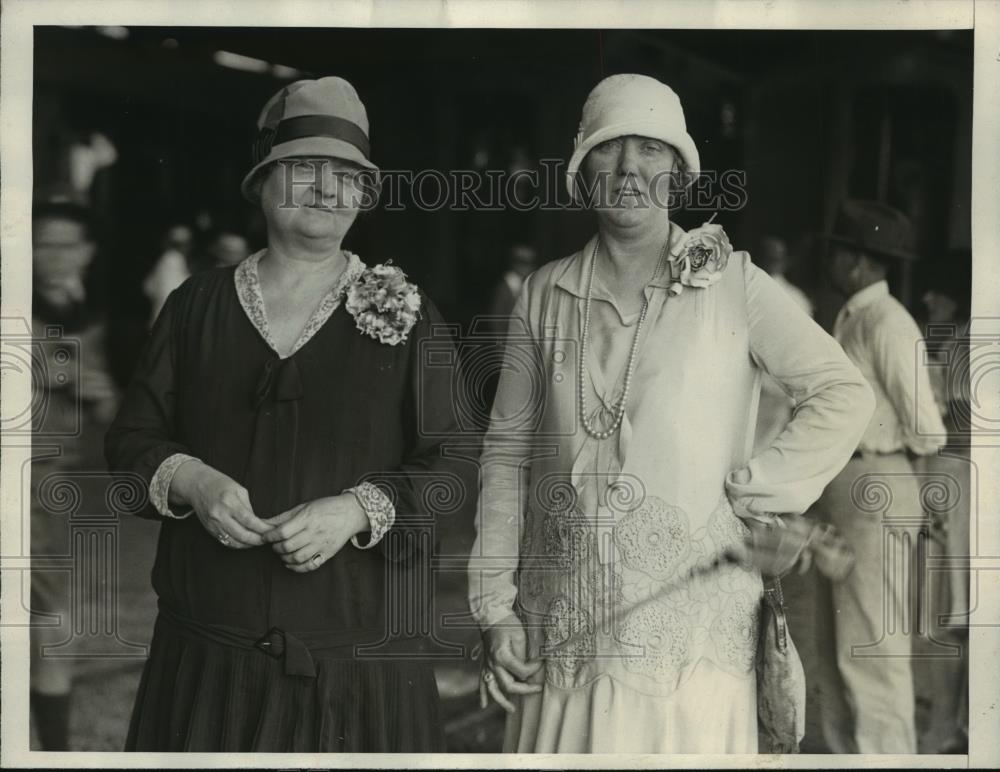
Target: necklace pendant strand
619	413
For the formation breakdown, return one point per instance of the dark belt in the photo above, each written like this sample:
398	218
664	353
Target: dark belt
296	649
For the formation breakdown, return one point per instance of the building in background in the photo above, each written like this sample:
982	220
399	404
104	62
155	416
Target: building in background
810	117
157	123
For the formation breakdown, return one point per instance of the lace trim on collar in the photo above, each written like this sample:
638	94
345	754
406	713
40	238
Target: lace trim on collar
252	299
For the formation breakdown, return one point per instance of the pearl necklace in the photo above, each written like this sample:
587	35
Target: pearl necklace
582	370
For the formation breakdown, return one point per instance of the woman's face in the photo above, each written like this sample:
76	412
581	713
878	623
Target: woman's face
630	178
315	198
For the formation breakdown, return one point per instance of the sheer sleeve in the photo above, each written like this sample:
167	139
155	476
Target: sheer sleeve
141	440
833	404
505	476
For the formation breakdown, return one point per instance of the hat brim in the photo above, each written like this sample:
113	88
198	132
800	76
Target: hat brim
680	140
897	254
307	147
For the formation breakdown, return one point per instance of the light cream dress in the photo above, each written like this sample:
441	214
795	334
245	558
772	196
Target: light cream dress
609	549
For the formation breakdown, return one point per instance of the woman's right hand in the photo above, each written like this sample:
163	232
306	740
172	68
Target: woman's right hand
507	667
799	541
221	503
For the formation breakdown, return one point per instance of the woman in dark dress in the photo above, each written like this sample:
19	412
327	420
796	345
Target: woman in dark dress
291	440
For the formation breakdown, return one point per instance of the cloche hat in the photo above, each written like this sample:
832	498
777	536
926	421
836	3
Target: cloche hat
622	105
319	118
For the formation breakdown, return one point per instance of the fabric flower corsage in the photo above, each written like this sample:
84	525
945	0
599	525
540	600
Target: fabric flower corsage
384	304
701	259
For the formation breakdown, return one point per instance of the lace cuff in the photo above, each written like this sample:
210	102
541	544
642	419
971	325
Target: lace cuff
379	509
159	486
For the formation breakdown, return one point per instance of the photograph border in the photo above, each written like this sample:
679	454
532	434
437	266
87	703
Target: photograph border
16	85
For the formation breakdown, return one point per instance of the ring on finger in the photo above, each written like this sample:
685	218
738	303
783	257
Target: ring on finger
224	538
317	560
488	676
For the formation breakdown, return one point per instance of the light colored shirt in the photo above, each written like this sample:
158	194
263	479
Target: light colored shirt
607	545
514	282
881	338
170	272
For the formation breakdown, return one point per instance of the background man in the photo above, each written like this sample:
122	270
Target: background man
868	704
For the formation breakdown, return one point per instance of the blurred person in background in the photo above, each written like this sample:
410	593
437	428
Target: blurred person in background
868	701
625	629
171	269
217	242
521	261
77	401
775	407
291	437
776	261
225	247
946	301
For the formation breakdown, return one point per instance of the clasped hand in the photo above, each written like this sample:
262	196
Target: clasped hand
308	535
507	671
305	536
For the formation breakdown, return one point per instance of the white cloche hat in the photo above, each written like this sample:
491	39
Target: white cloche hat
623	105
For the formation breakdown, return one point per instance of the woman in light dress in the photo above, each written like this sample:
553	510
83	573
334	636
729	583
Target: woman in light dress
617	472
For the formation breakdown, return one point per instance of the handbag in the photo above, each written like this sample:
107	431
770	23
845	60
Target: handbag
781	681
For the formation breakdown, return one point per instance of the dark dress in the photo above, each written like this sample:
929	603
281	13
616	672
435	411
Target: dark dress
246	654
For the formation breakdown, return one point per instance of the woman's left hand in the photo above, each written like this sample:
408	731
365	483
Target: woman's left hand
308	535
